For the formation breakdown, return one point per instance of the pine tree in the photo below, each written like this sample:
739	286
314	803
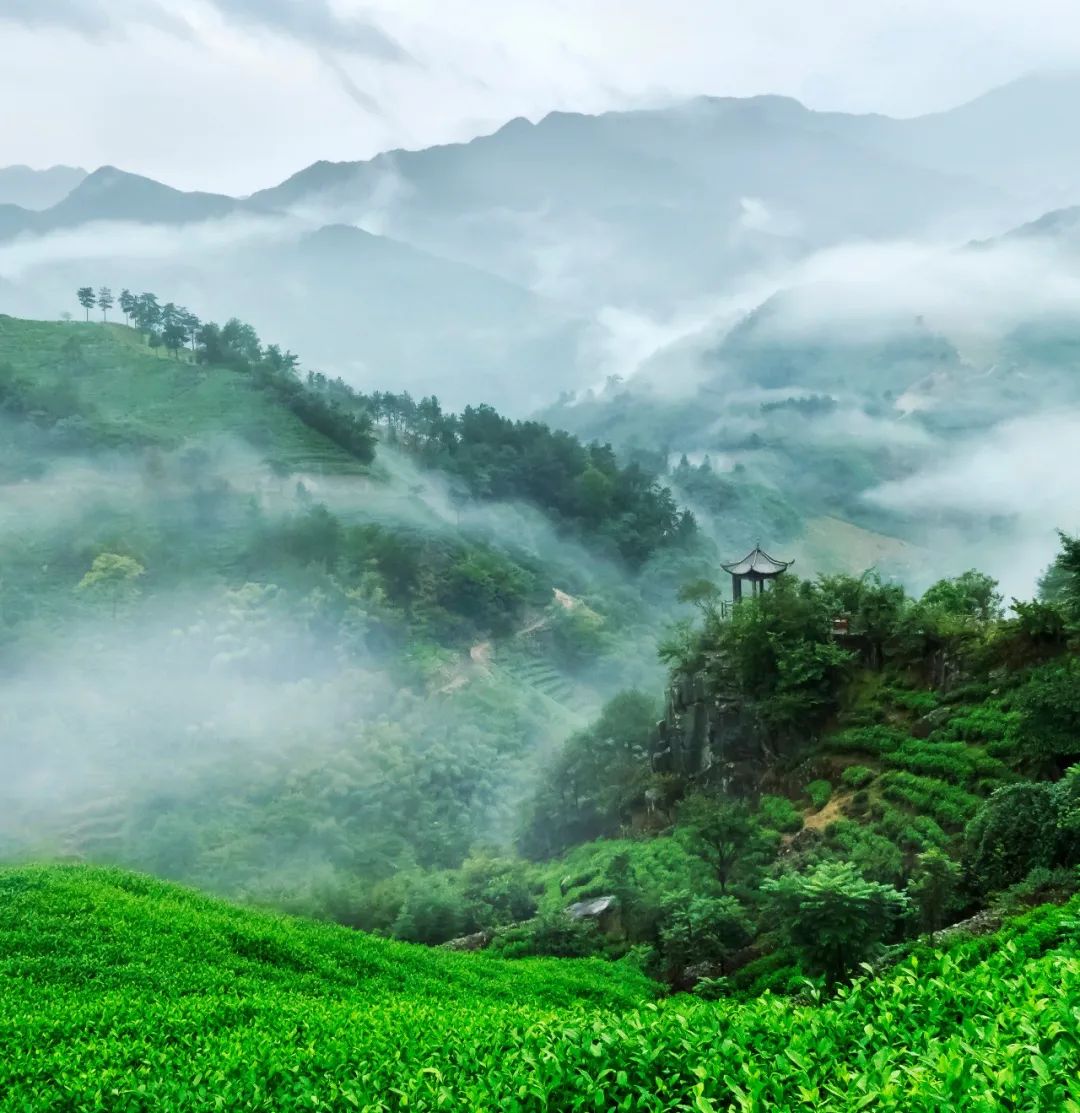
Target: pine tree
87	300
127	304
105	301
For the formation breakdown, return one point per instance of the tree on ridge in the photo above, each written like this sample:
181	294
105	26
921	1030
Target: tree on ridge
87	300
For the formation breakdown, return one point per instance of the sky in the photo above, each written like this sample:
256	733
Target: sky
235	95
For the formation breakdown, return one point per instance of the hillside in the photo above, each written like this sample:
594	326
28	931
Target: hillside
243	652
122	992
125	394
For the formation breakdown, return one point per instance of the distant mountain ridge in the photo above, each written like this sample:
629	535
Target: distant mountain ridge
37	189
529	259
112	194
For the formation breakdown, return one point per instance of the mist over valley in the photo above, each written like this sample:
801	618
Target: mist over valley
637	540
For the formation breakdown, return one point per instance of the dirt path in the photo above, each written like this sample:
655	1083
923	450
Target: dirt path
833	810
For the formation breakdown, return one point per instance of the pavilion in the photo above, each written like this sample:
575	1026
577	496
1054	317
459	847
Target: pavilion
757	568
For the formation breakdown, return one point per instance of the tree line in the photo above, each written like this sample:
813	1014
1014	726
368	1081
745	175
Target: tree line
170	326
582	487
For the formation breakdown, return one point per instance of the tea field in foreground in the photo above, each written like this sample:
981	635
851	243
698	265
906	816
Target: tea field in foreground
122	993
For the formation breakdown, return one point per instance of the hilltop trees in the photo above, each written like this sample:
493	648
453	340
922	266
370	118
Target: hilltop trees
105	301
127	304
87	299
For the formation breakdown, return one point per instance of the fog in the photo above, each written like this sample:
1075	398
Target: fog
175	727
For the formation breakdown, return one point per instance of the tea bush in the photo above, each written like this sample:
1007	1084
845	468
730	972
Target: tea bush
122	994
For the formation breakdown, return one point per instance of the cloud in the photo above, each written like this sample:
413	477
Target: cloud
112	240
91	17
360	97
84	16
310	22
314	22
995	502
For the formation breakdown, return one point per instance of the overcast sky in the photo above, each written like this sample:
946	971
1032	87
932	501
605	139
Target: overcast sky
233	95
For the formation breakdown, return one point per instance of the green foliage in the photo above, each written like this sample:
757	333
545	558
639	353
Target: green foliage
956	762
433	911
113	982
857	776
873	608
934	889
1048	706
947	804
581	487
972	595
550	935
703	929
779	814
834	915
781	653
725	834
818	793
600	773
1014	832
116	983
112	578
877	740
1061	583
875	856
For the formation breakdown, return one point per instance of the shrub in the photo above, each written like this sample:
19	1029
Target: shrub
857	776
948	805
433	911
1040	886
1048	706
703	929
555	935
951	761
819	794
870	740
780	814
1014	832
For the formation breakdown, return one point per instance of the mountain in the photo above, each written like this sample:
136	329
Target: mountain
114	195
1021	137
367	307
682	200
37	189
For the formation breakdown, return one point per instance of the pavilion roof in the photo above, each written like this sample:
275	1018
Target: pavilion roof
758	562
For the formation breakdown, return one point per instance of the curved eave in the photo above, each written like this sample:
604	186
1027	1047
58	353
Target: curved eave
757	563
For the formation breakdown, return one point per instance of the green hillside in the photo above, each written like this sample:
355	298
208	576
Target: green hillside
121	993
245	654
128	394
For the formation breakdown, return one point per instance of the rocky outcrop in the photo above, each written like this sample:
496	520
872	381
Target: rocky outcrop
702	733
475	942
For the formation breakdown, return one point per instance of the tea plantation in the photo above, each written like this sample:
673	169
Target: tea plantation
122	993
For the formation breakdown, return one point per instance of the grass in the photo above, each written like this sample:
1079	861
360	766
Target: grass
133	395
125	994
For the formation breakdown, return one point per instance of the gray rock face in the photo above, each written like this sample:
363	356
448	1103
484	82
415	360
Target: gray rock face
475	942
702	730
591	909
